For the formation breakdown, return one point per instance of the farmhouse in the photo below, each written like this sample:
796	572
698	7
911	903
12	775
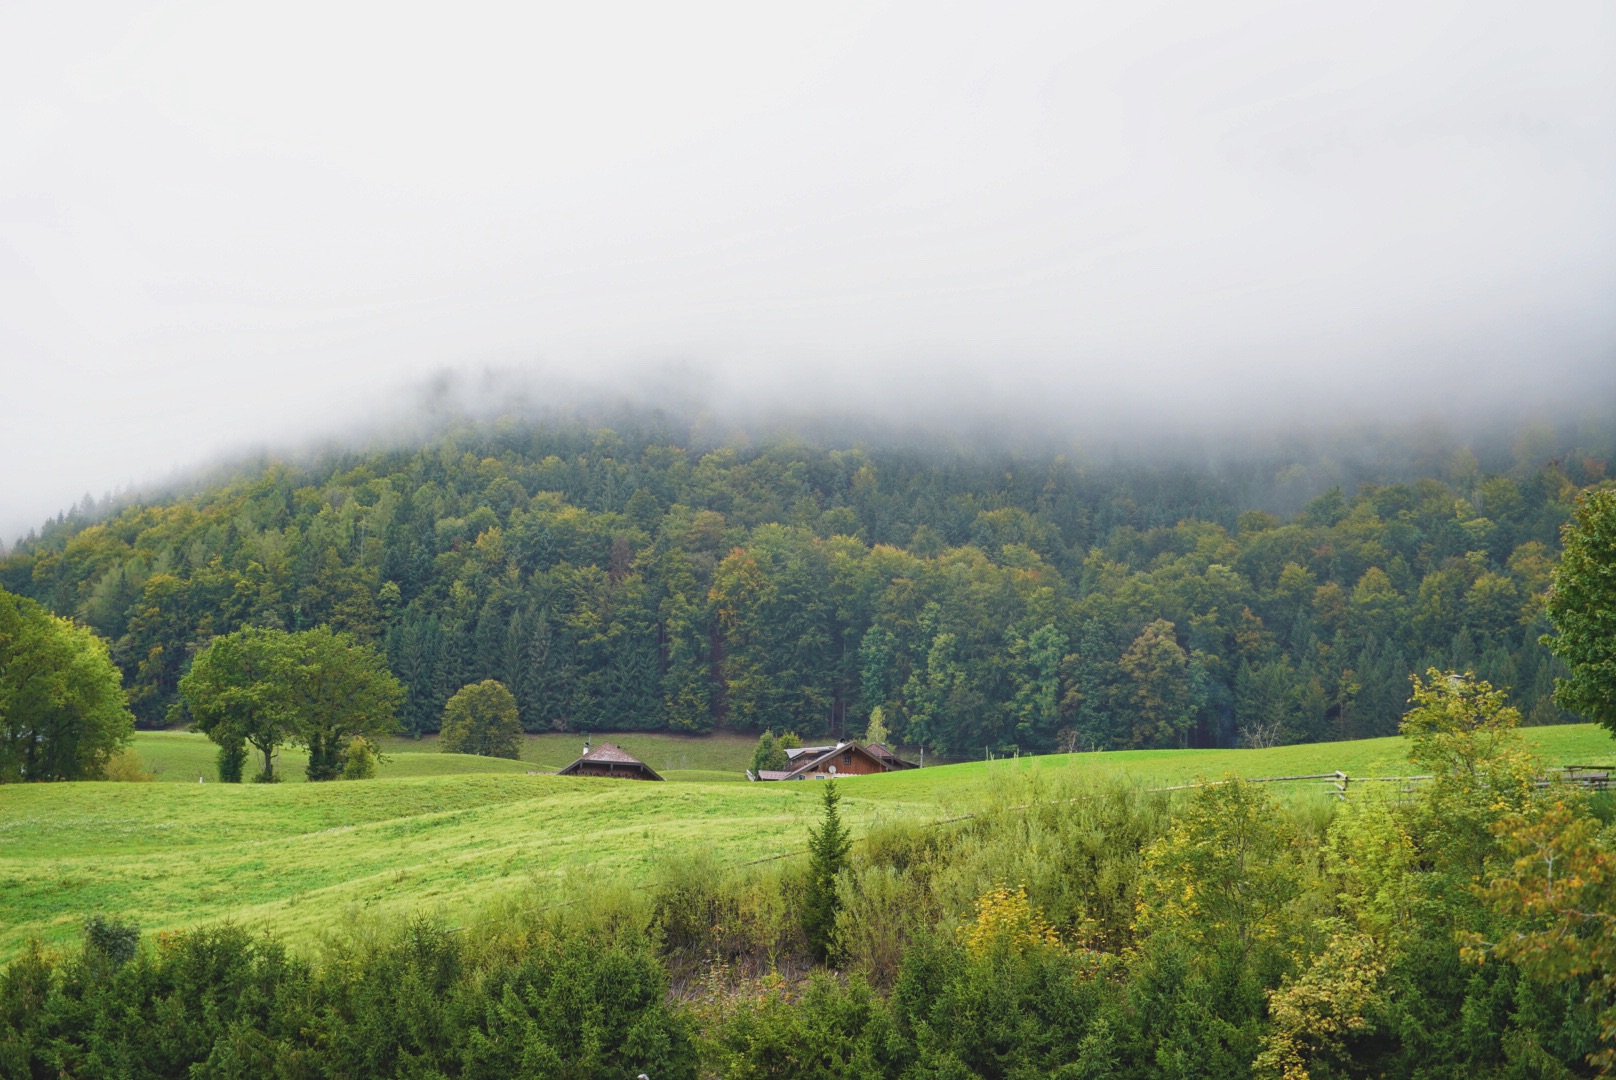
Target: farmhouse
609	760
842	759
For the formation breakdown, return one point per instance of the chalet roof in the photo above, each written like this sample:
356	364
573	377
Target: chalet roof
806	762
802	760
887	755
892	760
797	751
610	754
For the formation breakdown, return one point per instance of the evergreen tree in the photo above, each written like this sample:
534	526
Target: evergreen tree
546	704
875	664
768	754
1582	605
828	847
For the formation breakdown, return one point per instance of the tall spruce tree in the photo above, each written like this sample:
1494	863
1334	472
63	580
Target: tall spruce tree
1582	605
828	846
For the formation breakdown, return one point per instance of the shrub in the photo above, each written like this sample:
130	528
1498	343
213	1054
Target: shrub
221	1002
126	766
1038	1012
703	913
1005	919
830	1031
361	759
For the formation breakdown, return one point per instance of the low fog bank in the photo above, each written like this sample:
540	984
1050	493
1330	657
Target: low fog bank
1166	231
1282	447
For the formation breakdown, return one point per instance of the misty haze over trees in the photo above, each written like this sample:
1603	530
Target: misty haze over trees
653	576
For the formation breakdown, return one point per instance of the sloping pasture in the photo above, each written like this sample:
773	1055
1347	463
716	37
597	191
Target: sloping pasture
300	858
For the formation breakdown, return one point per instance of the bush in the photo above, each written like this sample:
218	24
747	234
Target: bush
830	1031
361	759
704	913
126	766
1008	1012
222	1002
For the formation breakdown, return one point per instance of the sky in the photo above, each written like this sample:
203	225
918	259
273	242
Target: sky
232	225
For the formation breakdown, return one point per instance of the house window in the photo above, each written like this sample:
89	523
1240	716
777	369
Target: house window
847	758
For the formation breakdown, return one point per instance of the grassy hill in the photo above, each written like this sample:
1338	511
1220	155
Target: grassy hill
447	833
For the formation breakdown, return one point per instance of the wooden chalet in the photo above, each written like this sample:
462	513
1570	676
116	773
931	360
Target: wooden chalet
841	759
609	760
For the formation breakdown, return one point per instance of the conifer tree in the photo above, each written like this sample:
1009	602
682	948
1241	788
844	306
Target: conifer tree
828	846
1582	605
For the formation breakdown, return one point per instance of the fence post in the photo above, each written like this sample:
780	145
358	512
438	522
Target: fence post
1341	782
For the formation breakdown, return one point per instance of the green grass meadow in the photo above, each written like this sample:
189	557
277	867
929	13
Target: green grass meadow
447	833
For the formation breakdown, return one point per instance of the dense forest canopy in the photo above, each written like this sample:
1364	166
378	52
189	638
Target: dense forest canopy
640	578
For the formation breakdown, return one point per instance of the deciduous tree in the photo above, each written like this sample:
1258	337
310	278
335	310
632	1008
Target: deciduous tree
269	687
239	690
62	708
1160	694
343	691
481	719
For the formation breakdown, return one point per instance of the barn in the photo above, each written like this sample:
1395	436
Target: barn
609	760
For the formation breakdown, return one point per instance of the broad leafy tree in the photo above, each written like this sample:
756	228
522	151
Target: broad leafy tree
239	692
62	706
268	688
1160	693
481	719
343	692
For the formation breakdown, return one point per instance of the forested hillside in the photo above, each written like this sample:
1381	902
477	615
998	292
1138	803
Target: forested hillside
634	579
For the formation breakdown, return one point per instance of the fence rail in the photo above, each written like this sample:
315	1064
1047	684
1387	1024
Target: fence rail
1594	777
